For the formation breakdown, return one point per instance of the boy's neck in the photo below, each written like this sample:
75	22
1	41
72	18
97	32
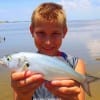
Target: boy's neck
58	53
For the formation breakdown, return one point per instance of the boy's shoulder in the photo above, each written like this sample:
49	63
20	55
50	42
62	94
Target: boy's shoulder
70	59
68	56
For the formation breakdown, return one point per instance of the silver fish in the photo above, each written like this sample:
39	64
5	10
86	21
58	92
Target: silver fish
51	67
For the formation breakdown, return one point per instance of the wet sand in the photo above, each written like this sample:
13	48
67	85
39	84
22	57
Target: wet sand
5	87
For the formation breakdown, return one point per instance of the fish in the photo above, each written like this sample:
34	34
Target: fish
51	67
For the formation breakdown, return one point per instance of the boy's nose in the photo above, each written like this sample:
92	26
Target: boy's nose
48	40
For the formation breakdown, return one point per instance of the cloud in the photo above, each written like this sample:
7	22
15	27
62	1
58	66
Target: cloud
81	9
76	4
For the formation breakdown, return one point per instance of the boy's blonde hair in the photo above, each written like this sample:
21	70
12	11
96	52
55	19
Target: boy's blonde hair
49	12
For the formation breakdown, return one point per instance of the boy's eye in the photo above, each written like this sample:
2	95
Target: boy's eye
56	35
40	34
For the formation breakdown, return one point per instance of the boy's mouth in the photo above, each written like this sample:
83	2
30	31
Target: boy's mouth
49	49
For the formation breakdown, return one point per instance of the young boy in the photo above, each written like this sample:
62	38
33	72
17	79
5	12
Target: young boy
48	28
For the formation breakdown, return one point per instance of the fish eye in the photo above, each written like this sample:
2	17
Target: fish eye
27	64
8	58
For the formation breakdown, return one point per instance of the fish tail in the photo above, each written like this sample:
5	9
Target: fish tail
89	79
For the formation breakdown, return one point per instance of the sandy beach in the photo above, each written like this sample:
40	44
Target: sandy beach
5	86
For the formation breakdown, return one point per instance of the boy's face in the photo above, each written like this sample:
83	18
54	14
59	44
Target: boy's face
48	36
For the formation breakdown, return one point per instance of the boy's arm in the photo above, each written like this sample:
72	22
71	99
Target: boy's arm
80	68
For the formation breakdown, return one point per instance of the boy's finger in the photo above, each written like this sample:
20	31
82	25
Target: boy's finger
20	75
29	87
64	90
67	83
32	79
71	90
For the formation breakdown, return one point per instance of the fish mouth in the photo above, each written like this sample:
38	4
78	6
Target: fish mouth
2	63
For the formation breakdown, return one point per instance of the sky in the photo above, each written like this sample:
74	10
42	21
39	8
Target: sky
21	10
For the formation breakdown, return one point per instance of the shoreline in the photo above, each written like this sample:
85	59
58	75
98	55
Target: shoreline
16	21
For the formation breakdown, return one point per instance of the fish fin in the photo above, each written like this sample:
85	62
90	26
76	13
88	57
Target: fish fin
23	63
25	67
86	88
89	79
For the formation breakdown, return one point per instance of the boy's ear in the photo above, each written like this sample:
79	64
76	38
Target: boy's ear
65	31
31	30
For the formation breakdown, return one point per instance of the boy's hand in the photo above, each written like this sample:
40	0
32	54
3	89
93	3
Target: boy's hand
24	84
64	89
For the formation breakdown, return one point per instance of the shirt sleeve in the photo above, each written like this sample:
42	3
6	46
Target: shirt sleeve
72	61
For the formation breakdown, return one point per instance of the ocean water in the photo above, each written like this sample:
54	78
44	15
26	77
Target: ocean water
82	40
